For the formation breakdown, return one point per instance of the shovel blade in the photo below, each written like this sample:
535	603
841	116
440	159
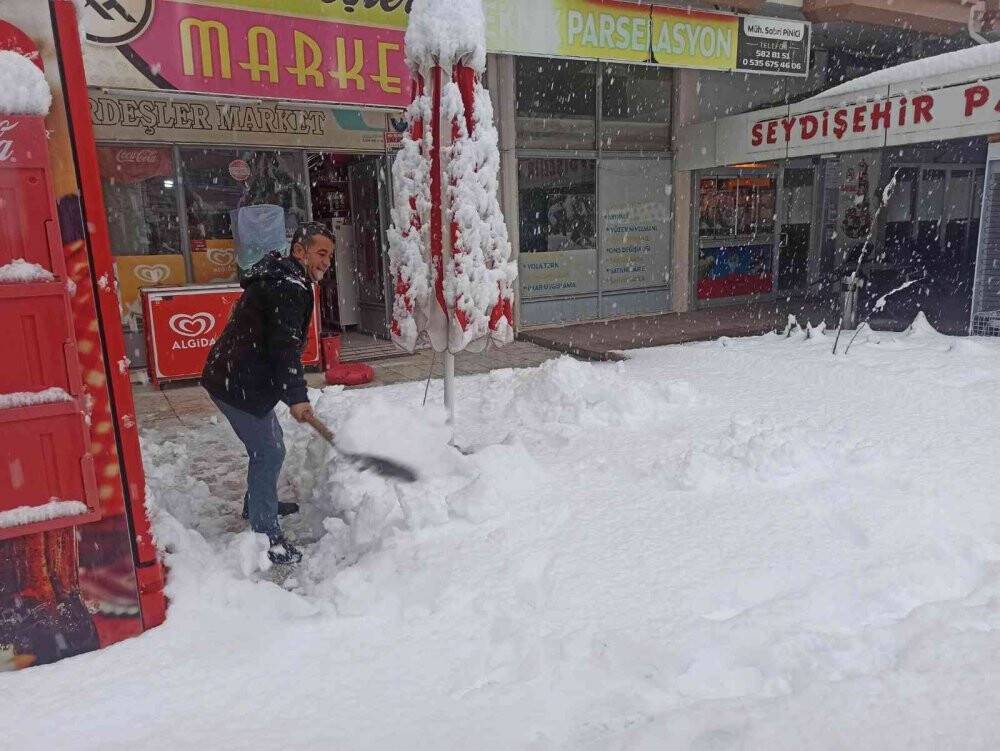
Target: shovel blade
384	467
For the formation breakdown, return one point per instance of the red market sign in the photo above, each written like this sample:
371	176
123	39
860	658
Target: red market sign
914	117
182	324
209	48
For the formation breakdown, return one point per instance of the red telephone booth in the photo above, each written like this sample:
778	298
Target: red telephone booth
78	568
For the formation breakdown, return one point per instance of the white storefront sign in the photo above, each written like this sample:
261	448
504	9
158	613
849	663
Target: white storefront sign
893	115
970	109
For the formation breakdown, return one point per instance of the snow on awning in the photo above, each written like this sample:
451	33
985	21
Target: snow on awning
950	96
23	88
918	72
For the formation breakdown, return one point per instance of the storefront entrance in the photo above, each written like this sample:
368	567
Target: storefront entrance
931	231
797	239
351	193
735	234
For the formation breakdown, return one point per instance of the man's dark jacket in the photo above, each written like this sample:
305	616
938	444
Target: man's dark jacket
257	361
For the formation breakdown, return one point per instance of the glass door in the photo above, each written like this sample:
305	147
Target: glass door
370	199
735	236
795	236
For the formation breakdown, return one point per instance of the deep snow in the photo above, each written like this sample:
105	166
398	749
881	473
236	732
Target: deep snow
746	543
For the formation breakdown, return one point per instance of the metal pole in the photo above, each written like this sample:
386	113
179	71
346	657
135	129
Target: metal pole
449	386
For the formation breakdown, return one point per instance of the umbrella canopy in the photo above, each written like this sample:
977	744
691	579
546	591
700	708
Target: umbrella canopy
448	249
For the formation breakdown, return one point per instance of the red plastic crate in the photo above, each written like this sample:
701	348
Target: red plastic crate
39	347
43	457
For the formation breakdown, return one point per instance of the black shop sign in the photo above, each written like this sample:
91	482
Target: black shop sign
773	45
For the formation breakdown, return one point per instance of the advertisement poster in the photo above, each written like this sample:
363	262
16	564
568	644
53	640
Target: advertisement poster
214	262
734	271
182	325
562	272
138	271
730	206
635	222
859	180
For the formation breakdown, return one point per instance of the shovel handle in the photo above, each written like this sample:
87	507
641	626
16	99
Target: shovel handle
320	428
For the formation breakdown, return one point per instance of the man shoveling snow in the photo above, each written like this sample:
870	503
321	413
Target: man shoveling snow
257	362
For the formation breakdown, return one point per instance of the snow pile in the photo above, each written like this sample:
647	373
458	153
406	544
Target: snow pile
918	71
446	32
569	393
22	271
30	398
361	508
795	551
23	88
54	509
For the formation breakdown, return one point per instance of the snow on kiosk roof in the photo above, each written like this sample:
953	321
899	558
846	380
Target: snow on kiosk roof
23	88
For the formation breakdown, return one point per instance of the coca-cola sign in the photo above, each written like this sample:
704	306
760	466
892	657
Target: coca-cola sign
131	164
137	156
6	140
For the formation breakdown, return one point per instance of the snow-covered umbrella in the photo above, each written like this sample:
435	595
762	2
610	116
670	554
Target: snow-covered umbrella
449	255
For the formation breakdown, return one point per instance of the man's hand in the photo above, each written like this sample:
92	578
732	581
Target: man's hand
301	411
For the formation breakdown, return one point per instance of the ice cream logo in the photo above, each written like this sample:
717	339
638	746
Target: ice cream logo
156	273
191	326
220	256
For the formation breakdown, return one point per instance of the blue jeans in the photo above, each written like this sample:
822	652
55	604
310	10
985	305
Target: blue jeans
265	444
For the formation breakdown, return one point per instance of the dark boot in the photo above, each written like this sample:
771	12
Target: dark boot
282	552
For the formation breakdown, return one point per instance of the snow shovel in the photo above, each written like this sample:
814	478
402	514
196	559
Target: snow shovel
384	467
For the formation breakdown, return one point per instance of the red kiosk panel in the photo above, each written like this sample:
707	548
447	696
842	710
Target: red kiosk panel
43	458
38	340
27	224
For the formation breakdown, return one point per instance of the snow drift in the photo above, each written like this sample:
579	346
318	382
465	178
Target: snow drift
747	543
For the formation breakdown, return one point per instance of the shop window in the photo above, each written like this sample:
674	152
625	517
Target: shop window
140	196
141	199
736	217
732	206
558	238
636	213
755	205
556	103
635	107
218	182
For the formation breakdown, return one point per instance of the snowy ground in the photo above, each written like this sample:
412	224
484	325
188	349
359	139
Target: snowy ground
740	544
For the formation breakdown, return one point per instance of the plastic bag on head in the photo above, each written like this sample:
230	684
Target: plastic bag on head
258	230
